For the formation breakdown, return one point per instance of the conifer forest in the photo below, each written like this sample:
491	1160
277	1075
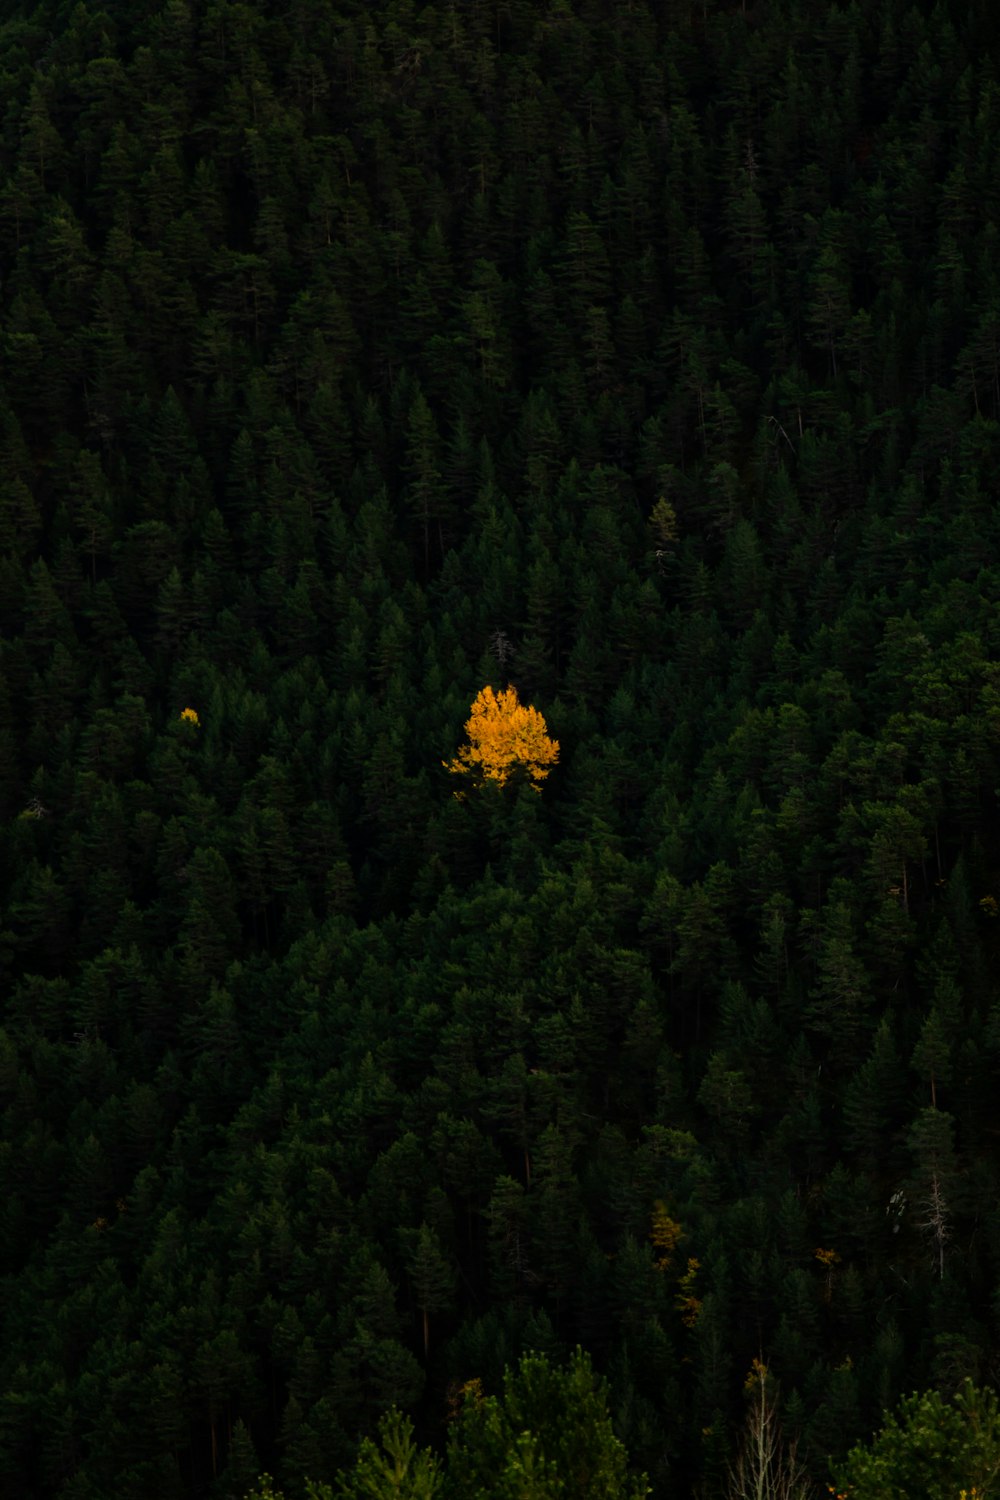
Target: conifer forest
499	749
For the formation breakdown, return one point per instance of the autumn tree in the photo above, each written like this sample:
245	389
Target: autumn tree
765	1467
505	737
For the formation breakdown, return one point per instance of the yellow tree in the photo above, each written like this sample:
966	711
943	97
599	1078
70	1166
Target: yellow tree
665	1234
505	735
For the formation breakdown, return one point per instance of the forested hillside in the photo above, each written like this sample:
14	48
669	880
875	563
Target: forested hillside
356	355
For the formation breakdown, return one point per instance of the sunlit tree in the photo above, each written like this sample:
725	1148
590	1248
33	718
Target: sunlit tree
505	737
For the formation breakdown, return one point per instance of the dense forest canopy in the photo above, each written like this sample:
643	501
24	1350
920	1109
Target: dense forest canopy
357	357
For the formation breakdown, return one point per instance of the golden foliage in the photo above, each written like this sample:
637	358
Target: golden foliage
190	715
664	1233
827	1259
505	734
687	1304
467	1393
756	1378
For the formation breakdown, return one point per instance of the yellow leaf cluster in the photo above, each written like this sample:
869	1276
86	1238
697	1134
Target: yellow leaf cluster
468	1393
827	1259
664	1234
505	735
190	715
756	1377
687	1304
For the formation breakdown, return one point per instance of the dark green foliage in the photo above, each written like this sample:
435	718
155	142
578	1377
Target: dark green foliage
646	358
929	1447
548	1434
